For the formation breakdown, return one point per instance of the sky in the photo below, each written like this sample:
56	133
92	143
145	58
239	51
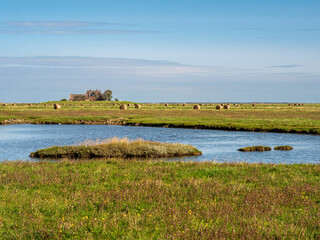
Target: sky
161	51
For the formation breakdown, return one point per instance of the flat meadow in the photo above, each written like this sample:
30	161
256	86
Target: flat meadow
154	199
240	117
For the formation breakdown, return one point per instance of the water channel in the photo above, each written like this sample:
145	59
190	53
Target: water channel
18	141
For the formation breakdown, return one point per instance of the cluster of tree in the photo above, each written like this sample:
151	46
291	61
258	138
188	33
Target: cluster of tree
106	96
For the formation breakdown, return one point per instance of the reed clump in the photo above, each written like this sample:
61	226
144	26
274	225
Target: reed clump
117	148
255	149
283	148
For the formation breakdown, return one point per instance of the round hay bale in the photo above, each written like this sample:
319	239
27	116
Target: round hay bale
4	104
289	104
100	104
123	107
226	106
70	104
13	104
196	107
45	105
184	105
166	105
218	107
81	105
201	104
137	106
253	104
56	106
30	104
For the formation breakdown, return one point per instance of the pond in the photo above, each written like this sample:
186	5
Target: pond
18	141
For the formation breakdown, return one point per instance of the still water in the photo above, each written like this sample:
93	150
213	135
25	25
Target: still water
18	141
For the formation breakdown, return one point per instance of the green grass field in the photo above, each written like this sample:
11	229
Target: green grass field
262	117
121	199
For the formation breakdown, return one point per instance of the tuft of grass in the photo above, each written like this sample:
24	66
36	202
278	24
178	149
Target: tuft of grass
284	148
116	147
255	149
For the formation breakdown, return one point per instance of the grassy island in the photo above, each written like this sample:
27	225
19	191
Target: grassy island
121	199
283	148
255	149
117	148
283	118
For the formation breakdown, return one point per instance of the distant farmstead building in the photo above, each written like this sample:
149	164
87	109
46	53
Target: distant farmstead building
91	95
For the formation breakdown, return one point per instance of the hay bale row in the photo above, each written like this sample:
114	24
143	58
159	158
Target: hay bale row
56	106
123	107
196	107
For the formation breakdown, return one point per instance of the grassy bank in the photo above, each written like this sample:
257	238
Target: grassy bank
119	199
117	148
262	117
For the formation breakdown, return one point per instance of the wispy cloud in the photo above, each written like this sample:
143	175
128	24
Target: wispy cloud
130	66
69	28
278	29
62	24
286	66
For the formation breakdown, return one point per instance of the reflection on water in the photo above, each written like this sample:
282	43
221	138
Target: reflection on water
18	141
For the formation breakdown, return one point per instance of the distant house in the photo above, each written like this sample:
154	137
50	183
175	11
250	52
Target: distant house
91	95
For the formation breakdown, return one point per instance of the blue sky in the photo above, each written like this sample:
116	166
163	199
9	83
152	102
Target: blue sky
191	50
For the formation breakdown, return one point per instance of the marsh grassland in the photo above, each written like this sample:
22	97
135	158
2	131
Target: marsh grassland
122	199
245	117
154	199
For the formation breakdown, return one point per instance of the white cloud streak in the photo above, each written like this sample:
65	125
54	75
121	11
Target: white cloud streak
62	24
130	66
69	28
